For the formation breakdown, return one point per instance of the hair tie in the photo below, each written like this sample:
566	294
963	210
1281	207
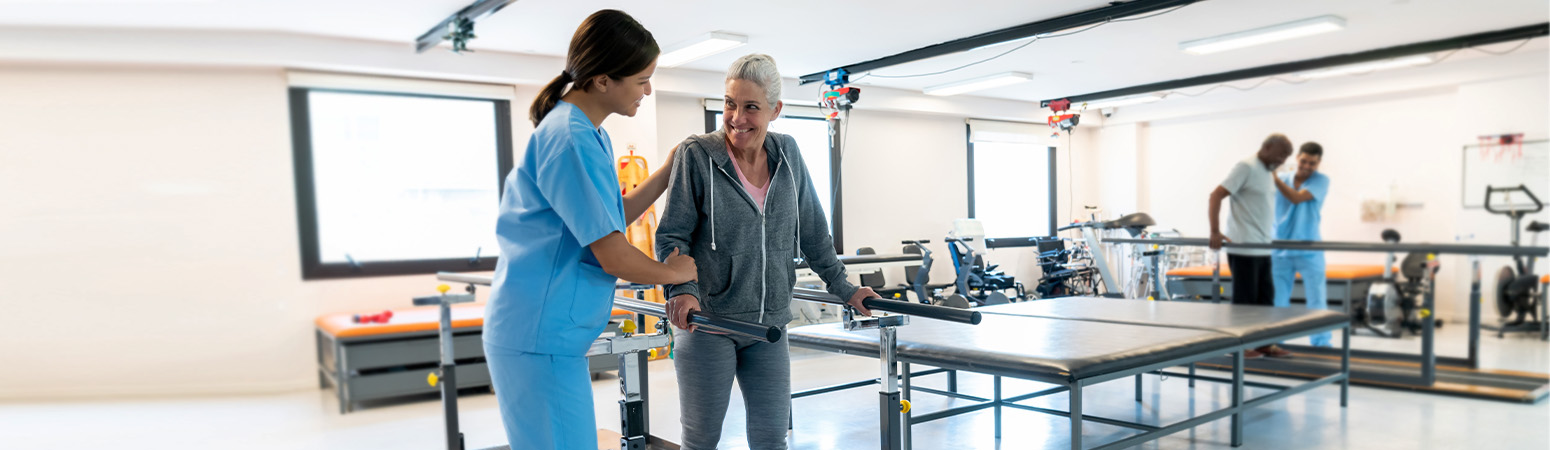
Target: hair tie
564	74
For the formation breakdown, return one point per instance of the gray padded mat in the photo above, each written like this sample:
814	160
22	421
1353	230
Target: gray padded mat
1248	323
1032	348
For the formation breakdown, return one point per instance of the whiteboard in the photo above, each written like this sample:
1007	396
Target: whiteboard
1502	166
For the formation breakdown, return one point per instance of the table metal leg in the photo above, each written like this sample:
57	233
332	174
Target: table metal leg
1076	416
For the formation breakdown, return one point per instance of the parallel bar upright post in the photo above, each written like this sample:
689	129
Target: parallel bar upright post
1345	364
889	397
1474	312
1428	332
1237	398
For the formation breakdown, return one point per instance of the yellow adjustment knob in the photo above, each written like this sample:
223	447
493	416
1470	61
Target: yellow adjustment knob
443	288
904	406
628	327
652	353
432	379
1426	313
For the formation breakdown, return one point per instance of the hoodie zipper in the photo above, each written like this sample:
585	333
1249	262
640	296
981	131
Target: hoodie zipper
764	258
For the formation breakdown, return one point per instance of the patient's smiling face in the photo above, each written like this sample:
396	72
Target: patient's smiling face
747	114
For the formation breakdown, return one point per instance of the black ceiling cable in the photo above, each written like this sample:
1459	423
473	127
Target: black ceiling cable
1035	38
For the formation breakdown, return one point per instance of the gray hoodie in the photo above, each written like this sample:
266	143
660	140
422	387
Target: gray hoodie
745	257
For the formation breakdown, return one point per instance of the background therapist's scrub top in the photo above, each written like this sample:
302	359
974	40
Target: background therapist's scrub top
1300	221
550	295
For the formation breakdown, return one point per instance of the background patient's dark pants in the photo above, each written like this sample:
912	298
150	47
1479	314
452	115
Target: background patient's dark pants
1251	280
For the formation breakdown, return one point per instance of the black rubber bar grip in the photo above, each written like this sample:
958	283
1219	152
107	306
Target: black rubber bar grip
914	309
760	332
959	315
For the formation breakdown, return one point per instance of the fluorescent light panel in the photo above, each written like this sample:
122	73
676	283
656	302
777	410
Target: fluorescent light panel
1123	101
1370	66
708	44
977	84
1265	35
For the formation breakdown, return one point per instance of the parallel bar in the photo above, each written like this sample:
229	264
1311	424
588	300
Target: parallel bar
914	309
1457	42
1338	246
759	332
1090	418
1081	19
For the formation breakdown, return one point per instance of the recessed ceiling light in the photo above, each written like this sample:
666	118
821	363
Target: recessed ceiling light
707	44
1264	35
977	84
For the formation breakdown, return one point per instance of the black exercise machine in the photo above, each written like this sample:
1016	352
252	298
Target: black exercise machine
1517	286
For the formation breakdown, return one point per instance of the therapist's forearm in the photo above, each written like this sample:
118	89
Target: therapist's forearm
645	194
621	259
1216	212
1293	195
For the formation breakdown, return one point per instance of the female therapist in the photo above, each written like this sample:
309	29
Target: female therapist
560	233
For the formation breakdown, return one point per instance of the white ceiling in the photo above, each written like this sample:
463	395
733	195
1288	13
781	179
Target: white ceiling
810	36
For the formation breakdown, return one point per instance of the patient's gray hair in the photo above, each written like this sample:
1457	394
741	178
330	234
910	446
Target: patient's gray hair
760	69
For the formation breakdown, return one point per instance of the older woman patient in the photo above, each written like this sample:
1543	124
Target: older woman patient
740	201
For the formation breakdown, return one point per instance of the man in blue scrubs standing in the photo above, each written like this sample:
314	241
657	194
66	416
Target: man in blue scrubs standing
1298	211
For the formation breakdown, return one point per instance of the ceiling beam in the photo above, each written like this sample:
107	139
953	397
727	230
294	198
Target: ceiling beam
1452	43
1114	11
473	12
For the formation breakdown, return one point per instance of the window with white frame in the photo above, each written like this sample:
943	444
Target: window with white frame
1011	179
397	183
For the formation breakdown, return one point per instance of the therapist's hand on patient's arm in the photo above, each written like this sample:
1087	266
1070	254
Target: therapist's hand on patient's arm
862	294
678	309
683	267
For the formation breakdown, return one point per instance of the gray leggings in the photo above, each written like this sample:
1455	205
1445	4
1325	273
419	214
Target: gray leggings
706	364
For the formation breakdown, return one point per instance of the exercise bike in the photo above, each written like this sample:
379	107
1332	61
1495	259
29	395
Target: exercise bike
1392	308
1517	287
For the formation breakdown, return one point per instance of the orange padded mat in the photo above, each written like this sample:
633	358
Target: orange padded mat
408	320
1331	272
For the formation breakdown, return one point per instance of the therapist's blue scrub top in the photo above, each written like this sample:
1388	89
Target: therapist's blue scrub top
1300	222
549	294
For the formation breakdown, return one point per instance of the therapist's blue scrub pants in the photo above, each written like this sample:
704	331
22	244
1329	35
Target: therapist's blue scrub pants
1284	272
545	400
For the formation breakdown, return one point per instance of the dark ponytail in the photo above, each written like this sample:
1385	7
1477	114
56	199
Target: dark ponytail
609	42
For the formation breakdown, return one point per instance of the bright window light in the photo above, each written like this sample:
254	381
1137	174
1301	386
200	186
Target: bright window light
403	178
708	44
1367	67
1123	101
1011	188
979	84
1265	35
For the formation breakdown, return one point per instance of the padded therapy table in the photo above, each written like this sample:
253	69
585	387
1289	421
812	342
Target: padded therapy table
1077	342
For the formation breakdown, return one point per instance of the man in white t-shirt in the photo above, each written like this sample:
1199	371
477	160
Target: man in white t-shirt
1251	188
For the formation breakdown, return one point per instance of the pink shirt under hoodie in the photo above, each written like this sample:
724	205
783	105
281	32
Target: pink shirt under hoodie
757	193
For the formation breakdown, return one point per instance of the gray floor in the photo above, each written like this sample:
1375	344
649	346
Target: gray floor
1376	419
